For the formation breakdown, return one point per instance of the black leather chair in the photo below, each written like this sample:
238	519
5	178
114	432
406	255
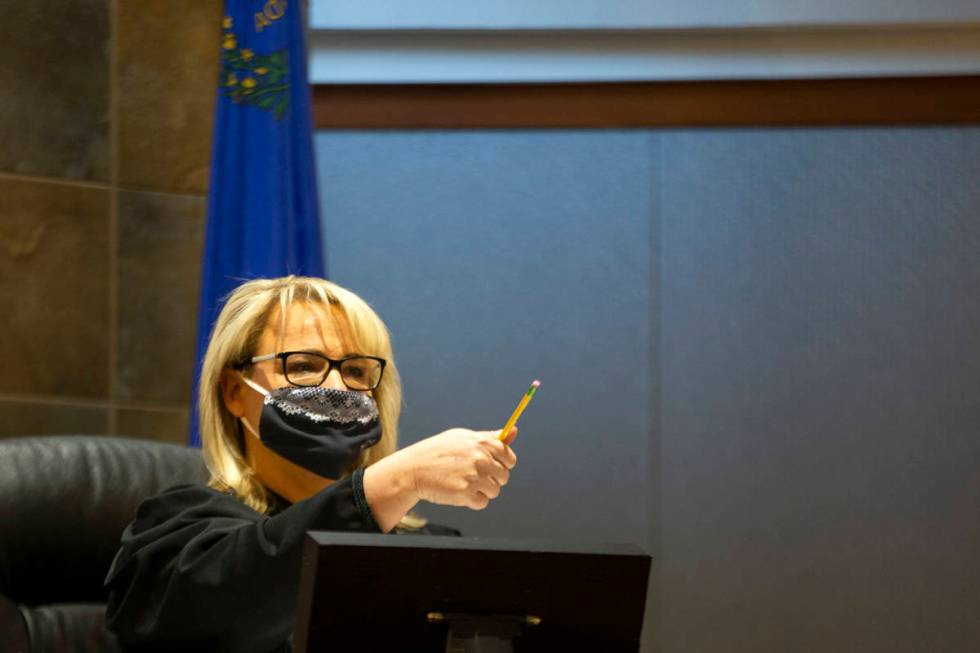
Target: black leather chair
64	503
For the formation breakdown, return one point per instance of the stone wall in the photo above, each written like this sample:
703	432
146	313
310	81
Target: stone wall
105	130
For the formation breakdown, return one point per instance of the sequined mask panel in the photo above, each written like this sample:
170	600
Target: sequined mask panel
342	407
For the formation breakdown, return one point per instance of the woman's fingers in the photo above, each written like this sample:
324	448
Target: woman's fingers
491	467
499	449
491	483
461	467
500	476
477	501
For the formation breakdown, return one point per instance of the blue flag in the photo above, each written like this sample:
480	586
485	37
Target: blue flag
262	204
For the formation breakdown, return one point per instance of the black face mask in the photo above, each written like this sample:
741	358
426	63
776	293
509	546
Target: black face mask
320	429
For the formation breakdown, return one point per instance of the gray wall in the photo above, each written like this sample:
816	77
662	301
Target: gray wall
488	283
819	365
630	14
760	355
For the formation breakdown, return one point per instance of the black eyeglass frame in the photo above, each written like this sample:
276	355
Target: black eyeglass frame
331	364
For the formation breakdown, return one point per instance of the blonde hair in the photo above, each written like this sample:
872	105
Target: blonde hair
234	338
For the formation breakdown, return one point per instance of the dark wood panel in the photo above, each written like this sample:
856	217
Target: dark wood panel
865	101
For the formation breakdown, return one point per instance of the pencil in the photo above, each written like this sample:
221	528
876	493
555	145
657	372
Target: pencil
520	409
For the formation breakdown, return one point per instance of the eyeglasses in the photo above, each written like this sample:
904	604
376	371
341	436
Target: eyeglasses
308	369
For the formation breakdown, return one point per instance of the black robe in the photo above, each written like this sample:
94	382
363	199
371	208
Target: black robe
199	570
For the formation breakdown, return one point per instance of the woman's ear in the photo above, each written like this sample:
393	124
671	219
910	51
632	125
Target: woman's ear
232	391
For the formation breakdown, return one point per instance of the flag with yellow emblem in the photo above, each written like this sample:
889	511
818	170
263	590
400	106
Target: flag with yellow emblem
262	204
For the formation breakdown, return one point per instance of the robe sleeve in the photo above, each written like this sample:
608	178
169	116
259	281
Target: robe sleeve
197	568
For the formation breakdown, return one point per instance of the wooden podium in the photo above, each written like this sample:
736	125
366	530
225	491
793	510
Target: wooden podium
361	592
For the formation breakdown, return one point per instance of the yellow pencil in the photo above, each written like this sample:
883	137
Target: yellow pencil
520	409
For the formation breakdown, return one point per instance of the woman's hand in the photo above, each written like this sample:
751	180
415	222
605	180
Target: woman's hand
458	467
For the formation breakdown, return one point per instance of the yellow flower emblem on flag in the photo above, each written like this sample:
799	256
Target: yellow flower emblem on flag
256	80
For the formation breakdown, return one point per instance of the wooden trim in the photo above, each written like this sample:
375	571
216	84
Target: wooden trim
755	103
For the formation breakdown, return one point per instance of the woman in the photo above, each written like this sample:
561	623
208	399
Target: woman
299	404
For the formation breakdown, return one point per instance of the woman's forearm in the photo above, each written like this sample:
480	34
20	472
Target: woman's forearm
390	490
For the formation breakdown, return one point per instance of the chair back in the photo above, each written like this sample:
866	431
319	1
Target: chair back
64	503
